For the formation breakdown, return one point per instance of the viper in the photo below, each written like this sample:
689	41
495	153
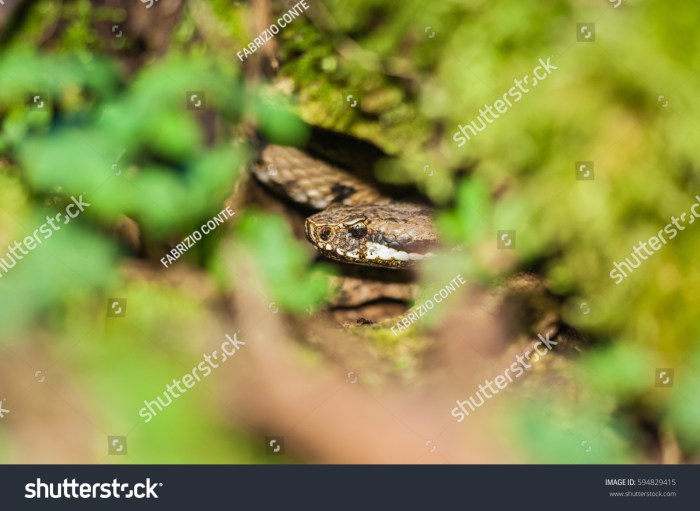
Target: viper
356	222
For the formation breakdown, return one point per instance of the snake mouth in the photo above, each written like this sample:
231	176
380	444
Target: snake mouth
378	252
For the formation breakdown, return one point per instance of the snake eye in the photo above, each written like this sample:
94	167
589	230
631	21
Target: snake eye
325	234
358	230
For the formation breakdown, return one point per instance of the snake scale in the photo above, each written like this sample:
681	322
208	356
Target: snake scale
356	223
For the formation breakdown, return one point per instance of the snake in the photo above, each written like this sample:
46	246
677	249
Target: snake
355	221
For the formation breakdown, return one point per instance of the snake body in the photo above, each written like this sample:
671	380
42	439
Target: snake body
356	222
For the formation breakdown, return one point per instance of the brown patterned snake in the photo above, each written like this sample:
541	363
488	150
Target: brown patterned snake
360	225
356	224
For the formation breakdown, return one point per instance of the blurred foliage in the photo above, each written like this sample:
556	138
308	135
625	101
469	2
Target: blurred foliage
134	149
602	104
90	141
135	359
291	282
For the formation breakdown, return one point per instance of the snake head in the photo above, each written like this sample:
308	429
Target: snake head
385	235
